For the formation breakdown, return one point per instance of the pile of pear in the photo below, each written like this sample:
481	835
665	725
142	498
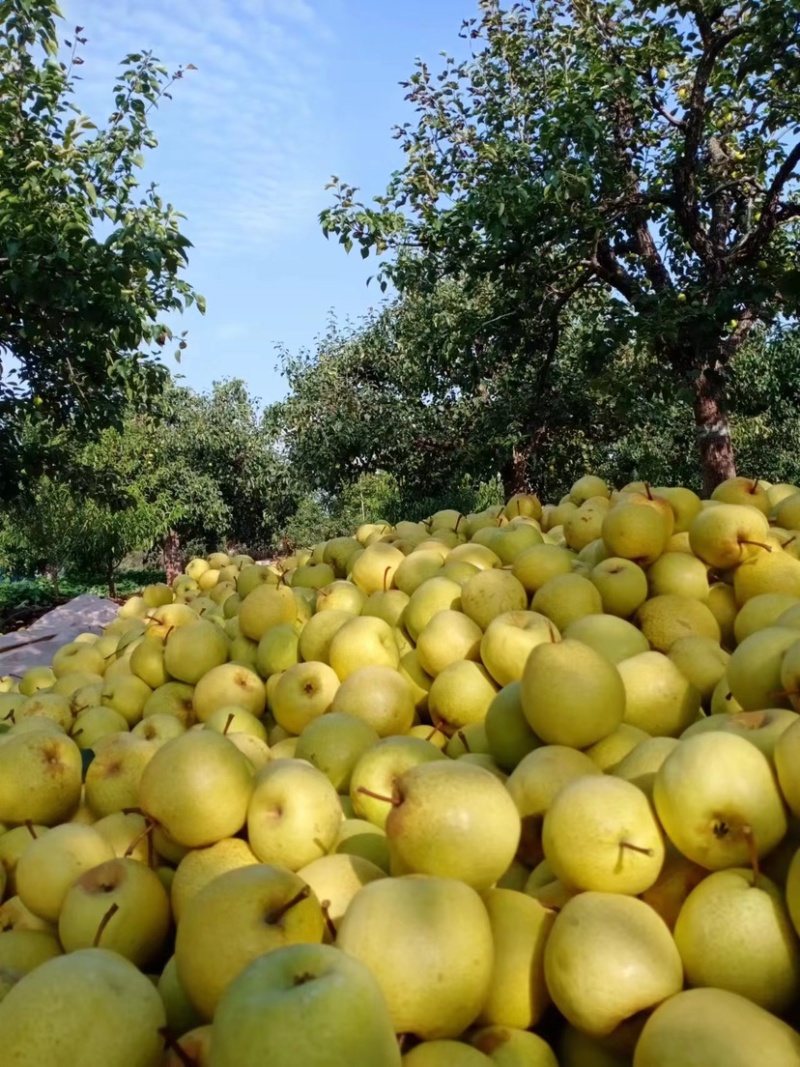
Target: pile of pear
516	788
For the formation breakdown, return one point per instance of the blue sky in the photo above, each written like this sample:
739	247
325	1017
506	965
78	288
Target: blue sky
287	92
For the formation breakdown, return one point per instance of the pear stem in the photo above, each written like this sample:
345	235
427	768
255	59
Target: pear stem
636	848
228	722
434	731
326	912
174	1046
150	826
109	915
30	829
756	544
378	796
301	895
463	739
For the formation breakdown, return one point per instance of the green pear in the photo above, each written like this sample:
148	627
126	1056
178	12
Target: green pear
318	632
294	814
197	787
537	779
715	1028
51	863
235	918
120	905
40	778
641	764
622	585
191	651
453	819
278	649
97	723
679	574
787	764
702	661
722	918
228	685
378	696
718	801
566	598
536	565
36	678
334	743
762	728
600	833
608	957
445	1054
182	1016
113	779
658	696
23	950
415	569
491	593
571	695
507	1046
360	838
172	698
508	735
612	637
304	1004
608	752
761	611
461	694
100	1009
393	923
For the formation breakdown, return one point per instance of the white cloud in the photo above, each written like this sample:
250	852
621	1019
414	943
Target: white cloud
243	143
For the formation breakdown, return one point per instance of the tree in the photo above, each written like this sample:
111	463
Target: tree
647	151
90	263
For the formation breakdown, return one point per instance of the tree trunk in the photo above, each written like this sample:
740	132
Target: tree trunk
112	584
713	430
171	554
515	473
52	573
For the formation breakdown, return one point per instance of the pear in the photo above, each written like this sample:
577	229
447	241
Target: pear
658	696
576	1049
294	814
518	994
666	618
612	637
95	724
762	611
202	865
392	923
726	534
761	728
571	695
718	801
448	637
51	863
339	596
637	533
622	585
357	837
229	685
608	752
362	642
276	1011
197	787
507	1046
715	1028
608	957
318	632
509	737
335	880
378	696
679	574
445	1054
721	920
121	905
641	764
235	918
767	572
100	1009
461	695
787	764
388	605
676	880
433	595
722	605
40	777
702	661
566	598
754	669
303	693
23	950
535	782
455	820
373	571
491	593
115	774
600	833
278	649
533	567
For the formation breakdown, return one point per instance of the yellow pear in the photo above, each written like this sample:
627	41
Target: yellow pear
667	617
197	787
726	914
678	574
491	593
446	638
228	685
303	693
726	534
641	764
608	752
761	611
114	775
636	533
236	918
787	766
718	801
702	661
767	572
571	695
658	697
507	1046
754	669
335	880
460	695
614	638
51	863
608	957
394	922
718	1029
376	772
622	585
40	777
202	865
566	598
362	642
537	564
600	833
378	696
